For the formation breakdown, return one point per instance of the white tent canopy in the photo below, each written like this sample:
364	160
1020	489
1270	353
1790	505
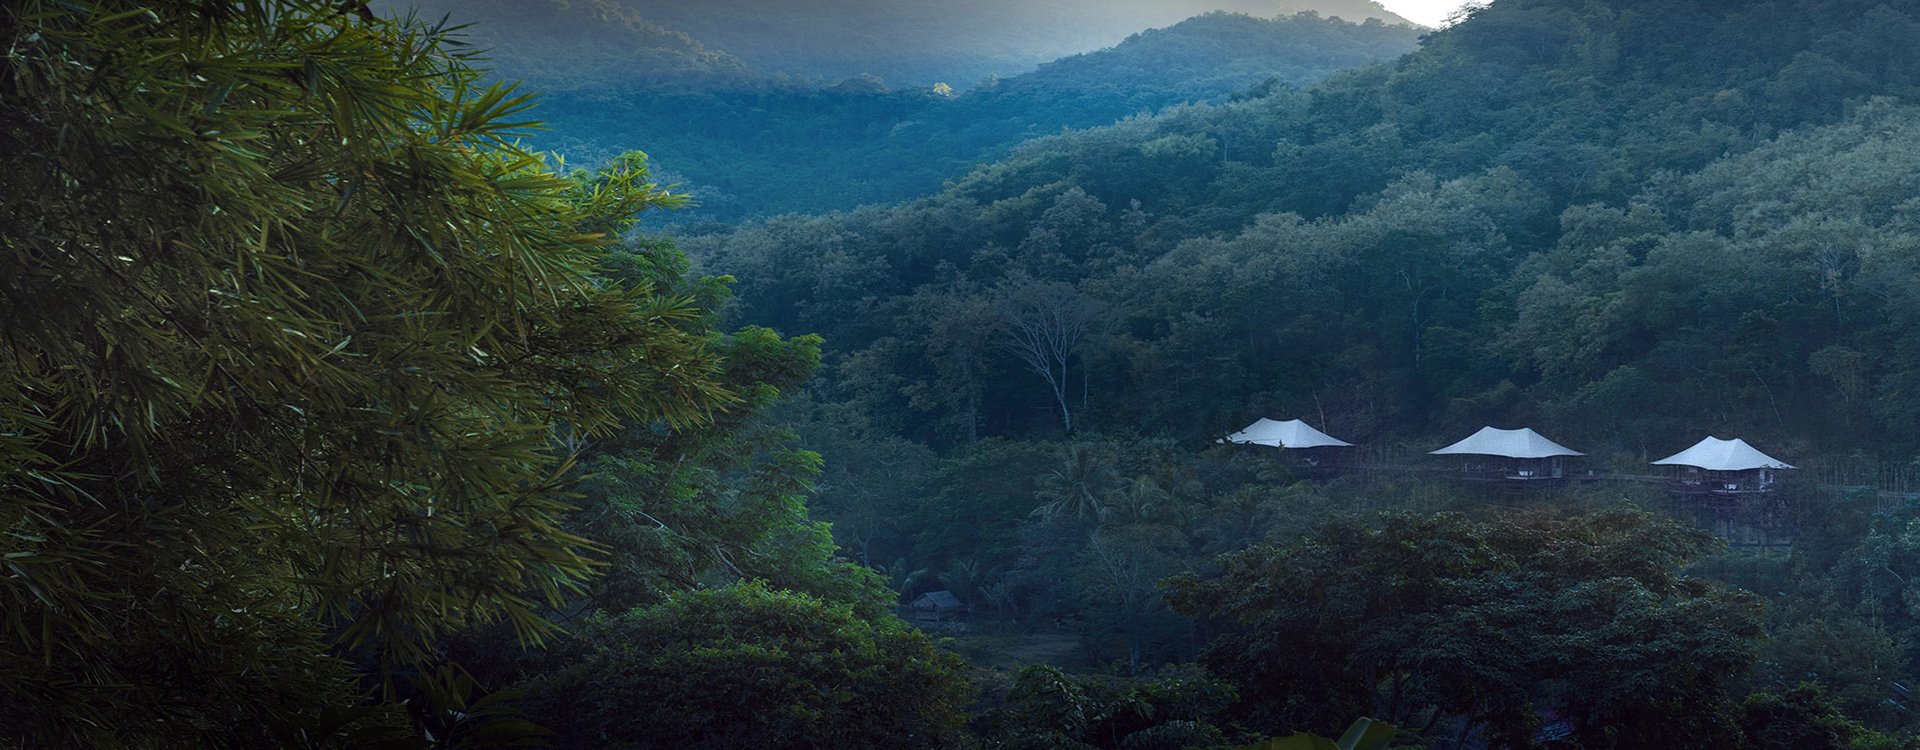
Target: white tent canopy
1292	433
1714	454
1521	443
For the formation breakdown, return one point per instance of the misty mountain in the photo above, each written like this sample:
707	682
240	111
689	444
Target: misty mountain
573	45
767	149
1210	55
564	45
960	42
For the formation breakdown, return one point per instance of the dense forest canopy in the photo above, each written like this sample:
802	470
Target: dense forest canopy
337	411
1536	215
1636	224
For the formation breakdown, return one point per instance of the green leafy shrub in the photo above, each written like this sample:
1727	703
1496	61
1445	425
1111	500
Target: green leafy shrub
747	666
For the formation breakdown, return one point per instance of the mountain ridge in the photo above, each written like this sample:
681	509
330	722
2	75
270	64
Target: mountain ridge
728	43
959	42
765	150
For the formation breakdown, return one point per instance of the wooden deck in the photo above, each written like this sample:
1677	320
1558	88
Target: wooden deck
1757	518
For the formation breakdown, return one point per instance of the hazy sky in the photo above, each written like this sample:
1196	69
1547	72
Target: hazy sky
1428	12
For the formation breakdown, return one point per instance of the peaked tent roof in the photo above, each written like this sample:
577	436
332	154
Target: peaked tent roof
1521	443
1292	433
1714	454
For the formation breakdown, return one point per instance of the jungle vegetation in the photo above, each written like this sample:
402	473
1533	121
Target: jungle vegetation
338	411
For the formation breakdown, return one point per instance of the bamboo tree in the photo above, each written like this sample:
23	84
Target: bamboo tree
296	342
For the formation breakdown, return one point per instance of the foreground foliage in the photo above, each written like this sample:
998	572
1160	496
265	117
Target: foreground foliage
1459	629
748	666
1044	707
296	341
1364	734
1805	718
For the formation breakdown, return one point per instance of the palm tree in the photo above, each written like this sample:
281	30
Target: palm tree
963	578
1077	488
1142	499
902	576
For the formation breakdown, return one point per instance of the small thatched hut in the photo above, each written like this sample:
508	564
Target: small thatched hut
936	606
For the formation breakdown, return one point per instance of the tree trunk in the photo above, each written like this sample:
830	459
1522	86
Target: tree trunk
1060	395
973	416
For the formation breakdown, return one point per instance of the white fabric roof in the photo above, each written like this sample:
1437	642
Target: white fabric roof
1522	443
1714	454
1292	433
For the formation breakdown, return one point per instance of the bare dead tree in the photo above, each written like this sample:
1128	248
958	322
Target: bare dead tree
1126	568
1046	324
1834	261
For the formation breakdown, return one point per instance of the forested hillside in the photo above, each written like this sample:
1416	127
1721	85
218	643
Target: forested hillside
1632	224
1491	227
769	149
336	412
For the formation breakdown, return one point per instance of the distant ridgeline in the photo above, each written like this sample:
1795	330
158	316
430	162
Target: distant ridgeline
922	42
561	45
1630	219
785	147
749	142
